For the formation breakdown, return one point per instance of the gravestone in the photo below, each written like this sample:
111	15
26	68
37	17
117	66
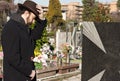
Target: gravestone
78	39
101	51
61	38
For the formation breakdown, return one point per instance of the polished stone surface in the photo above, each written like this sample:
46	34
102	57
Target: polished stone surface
95	60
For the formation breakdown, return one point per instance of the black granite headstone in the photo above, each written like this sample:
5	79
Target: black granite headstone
94	60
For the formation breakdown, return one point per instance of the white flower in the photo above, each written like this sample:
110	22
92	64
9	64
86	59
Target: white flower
44	56
41	58
36	59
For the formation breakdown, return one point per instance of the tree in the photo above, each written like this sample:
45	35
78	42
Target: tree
118	3
54	14
9	0
42	40
101	13
88	9
95	11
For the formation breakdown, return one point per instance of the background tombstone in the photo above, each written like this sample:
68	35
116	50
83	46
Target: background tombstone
61	39
101	51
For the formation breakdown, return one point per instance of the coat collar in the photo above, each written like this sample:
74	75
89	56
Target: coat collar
17	17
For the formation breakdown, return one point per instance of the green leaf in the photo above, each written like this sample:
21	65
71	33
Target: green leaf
38	65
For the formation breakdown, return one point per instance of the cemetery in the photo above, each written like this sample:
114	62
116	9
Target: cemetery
66	59
63	63
98	49
73	49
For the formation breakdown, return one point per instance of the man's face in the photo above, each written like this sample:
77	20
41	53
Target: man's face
31	18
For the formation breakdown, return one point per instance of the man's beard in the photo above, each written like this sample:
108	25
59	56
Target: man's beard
29	23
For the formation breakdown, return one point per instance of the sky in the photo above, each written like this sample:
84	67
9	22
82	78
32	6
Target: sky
46	2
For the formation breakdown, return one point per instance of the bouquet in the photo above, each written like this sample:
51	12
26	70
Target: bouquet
66	49
42	56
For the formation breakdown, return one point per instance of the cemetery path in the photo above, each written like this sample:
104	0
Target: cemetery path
71	76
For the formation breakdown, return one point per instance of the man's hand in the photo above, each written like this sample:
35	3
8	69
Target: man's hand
32	75
40	10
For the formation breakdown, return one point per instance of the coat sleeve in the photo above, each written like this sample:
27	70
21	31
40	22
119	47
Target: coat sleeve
36	33
11	49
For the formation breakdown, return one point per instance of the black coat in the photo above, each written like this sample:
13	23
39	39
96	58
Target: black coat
18	48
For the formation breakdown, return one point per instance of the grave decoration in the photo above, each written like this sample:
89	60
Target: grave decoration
41	56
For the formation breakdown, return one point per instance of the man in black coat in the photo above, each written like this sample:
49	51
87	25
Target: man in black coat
18	42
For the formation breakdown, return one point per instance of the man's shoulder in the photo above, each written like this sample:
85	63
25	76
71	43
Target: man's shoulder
11	25
12	22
